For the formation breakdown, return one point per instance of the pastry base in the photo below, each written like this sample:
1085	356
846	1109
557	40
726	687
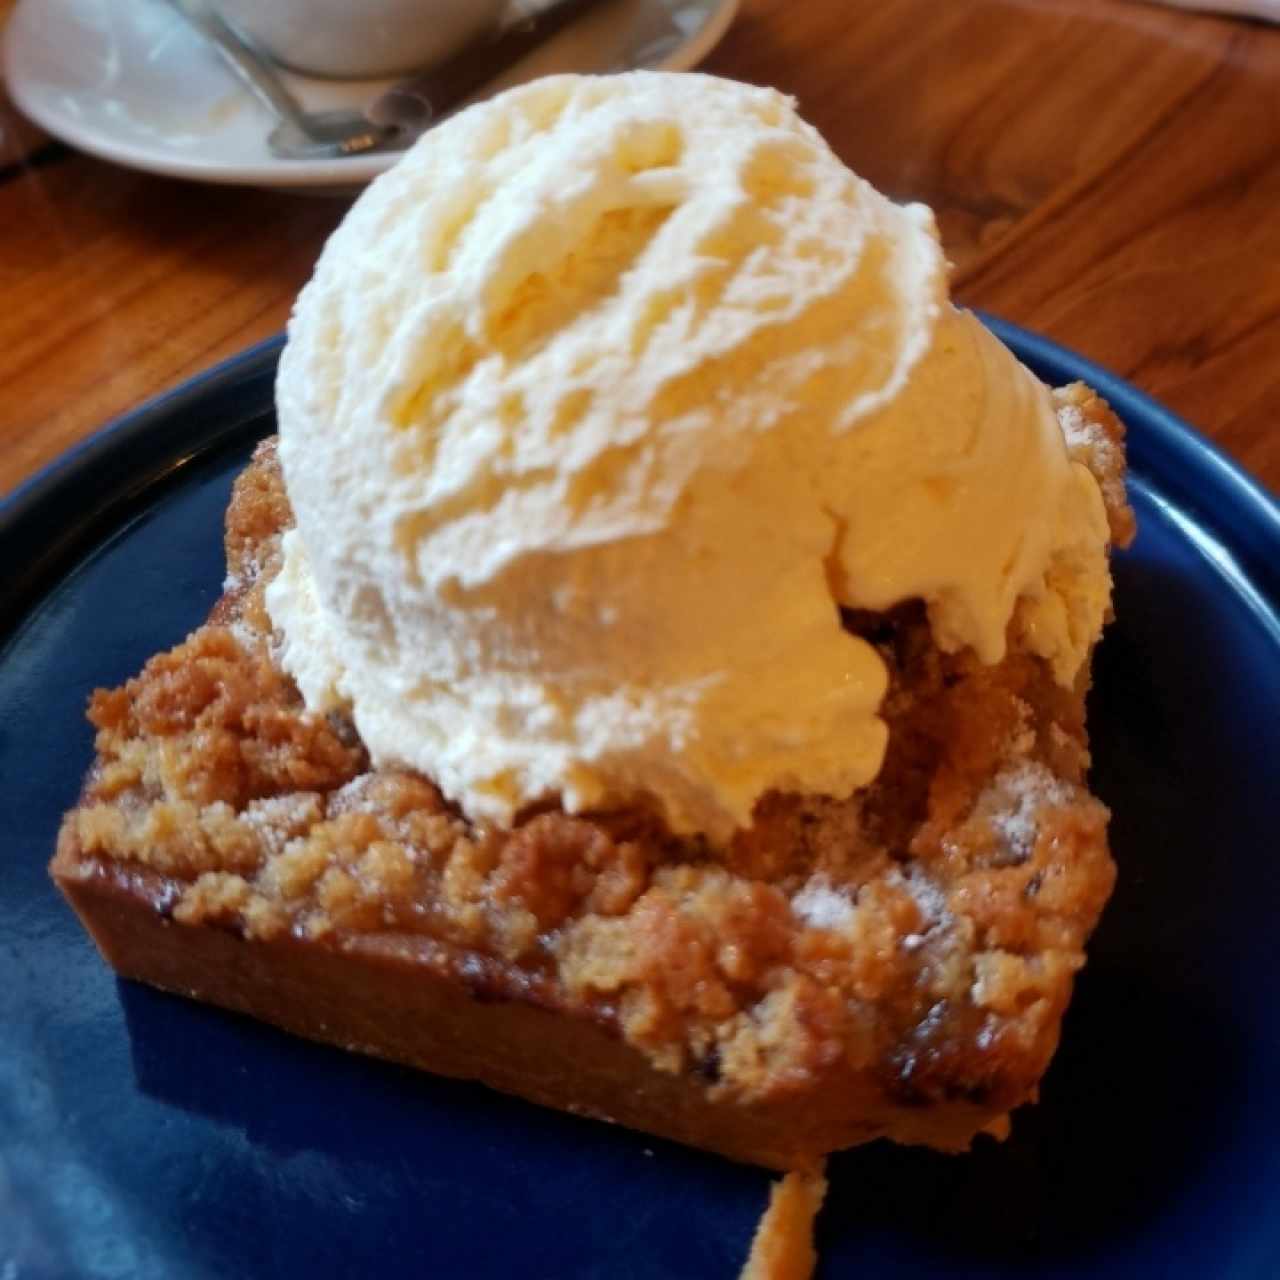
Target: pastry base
414	1001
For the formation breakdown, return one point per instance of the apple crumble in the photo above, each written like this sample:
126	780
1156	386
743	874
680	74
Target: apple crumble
894	963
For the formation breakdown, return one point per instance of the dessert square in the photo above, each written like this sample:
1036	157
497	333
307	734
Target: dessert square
894	963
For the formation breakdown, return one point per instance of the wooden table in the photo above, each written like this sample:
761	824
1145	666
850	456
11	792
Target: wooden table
1104	172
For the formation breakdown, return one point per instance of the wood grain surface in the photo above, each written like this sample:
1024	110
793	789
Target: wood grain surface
1105	172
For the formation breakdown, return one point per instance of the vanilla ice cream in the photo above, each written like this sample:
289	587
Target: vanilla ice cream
599	406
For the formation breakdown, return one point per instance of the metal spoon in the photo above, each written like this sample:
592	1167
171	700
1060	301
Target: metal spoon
299	135
413	105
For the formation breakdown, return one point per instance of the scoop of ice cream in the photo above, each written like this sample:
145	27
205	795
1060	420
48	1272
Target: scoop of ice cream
599	406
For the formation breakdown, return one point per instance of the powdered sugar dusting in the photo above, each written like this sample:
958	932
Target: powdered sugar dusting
1077	429
245	636
248	572
278	819
1023	792
288	809
354	797
927	895
1084	435
822	906
1017	827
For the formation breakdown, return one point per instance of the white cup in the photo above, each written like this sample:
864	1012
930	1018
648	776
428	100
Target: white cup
361	38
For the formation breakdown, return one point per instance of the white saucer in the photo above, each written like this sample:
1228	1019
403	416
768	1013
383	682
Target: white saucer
128	80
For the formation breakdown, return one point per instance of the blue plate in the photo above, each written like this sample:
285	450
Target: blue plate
147	1136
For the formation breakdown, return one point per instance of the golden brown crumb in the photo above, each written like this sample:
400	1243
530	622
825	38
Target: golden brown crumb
782	1247
1095	437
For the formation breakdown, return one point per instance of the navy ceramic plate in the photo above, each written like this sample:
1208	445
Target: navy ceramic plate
145	1136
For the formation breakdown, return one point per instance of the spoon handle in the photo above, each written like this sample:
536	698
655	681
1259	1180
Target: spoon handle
421	100
249	68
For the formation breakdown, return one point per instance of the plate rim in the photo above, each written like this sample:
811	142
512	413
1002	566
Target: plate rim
1234	507
126	461
121	466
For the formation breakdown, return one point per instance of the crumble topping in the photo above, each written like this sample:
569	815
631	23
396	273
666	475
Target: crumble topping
821	905
782	1247
1096	439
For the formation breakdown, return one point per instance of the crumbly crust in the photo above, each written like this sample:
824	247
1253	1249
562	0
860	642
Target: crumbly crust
782	1247
923	932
